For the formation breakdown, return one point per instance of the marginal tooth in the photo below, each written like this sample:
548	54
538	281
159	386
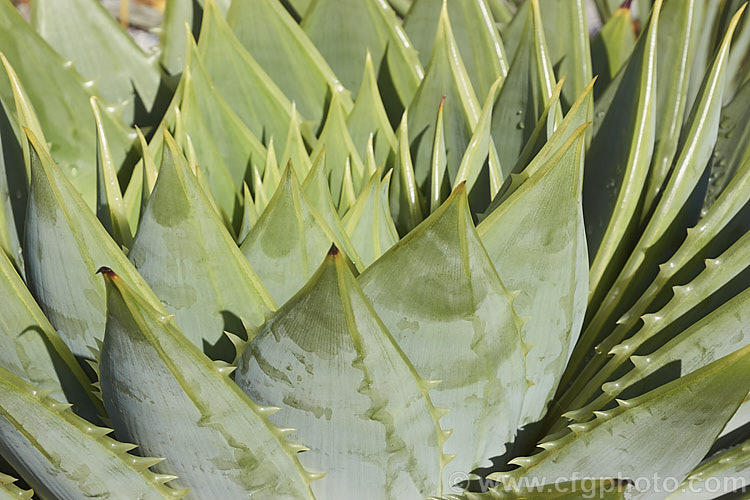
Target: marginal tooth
549	445
315	476
120	448
623	403
40	393
441	412
447	458
522	461
446	433
641	362
267	411
94	430
602	414
223	368
297	447
163	478
611	388
578	427
428	385
285	431
143	462
57	406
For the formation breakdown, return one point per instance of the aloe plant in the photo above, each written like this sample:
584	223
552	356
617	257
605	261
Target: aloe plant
367	249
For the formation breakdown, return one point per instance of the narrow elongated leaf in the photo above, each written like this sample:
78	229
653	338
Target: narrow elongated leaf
239	79
193	264
688	169
702	401
110	207
13	190
33	350
405	196
67	114
347	386
339	148
674	55
369	117
730	470
446	76
63	456
524	93
441	298
477	38
64	240
528	254
612	47
294	64
158	388
604	489
616	169
567	34
346	30
83	32
369	222
295	150
288	241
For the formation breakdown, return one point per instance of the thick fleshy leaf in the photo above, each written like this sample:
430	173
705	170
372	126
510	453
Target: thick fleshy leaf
446	77
603	489
83	32
726	472
732	147
670	211
110	206
285	52
64	246
650	427
9	491
238	78
405	196
368	117
673	66
618	160
369	222
159	388
612	46
524	93
317	193
350	392
339	148
441	298
193	264
62	455
536	241
288	242
295	150
344	31
67	112
30	347
714	336
477	38
178	13
567	34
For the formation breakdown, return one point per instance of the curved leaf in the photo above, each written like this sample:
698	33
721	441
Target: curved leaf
349	390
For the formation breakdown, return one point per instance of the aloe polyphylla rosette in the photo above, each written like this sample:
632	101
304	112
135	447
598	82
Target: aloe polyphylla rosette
370	249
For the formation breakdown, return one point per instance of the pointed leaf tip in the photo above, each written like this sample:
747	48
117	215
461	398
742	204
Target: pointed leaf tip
106	272
334	251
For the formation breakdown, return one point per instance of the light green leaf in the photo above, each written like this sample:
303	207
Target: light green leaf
732	147
30	347
405	196
64	246
177	13
82	31
368	117
439	183
702	401
369	222
344	31
62	109
63	456
567	33
285	52
239	79
182	250
536	241
477	38
13	191
9	491
249	214
339	148
318	195
729	469
295	150
525	92
446	76
349	390
110	207
657	236
441	298
288	241
158	388
674	55
612	46
618	160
